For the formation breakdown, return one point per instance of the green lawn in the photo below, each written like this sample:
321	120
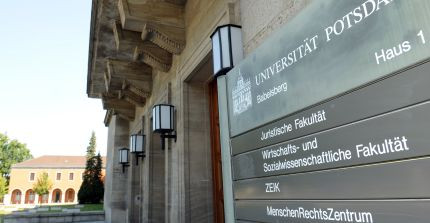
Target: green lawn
2	213
86	207
92	207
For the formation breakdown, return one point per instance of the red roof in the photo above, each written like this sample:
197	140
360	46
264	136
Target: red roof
56	162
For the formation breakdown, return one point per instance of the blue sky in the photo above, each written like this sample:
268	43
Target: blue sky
43	70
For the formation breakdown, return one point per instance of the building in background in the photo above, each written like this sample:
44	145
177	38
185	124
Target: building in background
65	172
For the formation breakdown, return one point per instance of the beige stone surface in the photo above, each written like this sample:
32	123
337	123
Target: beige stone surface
116	180
261	18
175	184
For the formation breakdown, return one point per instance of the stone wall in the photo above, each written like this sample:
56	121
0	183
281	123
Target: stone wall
116	180
261	18
175	184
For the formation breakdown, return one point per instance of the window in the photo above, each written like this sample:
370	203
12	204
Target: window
70	176
58	176
56	196
32	176
16	197
44	198
31	196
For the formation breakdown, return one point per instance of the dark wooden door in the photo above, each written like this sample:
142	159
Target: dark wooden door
218	196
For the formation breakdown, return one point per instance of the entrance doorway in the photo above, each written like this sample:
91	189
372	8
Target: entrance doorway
202	139
218	195
56	196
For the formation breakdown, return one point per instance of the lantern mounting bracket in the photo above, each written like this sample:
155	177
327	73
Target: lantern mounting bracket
167	136
123	167
137	155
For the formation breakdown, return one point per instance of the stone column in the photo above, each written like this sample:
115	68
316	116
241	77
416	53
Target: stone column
144	168
63	196
133	184
6	199
156	181
22	200
115	180
49	197
36	198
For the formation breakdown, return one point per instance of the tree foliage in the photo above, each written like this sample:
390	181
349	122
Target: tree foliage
11	152
97	179
3	187
42	185
92	188
91	149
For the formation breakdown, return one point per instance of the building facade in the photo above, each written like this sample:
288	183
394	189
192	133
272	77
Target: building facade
305	66
144	53
65	173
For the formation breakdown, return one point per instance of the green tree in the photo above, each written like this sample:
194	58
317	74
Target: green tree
42	185
91	153
91	190
97	180
91	149
3	187
11	152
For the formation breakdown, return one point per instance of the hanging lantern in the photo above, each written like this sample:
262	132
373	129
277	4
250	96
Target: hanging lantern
227	50
137	146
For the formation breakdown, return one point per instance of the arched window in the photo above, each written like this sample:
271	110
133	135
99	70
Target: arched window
43	199
70	195
29	196
16	197
56	196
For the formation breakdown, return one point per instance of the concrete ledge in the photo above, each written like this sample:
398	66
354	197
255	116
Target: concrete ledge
90	216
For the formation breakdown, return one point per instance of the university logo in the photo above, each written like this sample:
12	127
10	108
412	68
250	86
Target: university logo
241	94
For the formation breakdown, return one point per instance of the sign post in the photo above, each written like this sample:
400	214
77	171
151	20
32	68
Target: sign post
327	121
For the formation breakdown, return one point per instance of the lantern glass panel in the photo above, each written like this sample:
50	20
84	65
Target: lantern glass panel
165	117
133	143
216	54
123	156
236	44
120	156
172	118
139	143
225	47
155	118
